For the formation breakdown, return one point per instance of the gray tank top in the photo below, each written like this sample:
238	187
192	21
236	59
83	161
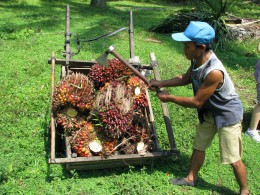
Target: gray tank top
224	104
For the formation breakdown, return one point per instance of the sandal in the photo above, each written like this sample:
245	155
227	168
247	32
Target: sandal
182	182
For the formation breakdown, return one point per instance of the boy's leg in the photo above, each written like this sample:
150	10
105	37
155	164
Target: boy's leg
197	160
203	139
230	144
241	176
204	136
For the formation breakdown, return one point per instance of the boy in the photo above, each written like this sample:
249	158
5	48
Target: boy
219	107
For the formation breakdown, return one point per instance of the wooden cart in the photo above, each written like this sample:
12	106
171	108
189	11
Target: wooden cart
60	144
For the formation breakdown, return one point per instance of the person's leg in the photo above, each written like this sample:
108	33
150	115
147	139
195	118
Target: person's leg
241	176
231	152
255	118
197	160
252	130
203	139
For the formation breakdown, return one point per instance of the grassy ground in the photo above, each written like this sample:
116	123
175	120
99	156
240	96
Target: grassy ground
31	29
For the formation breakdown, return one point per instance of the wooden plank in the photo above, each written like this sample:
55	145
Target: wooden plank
111	159
53	132
68	50
87	64
68	148
131	34
74	63
152	122
112	164
164	107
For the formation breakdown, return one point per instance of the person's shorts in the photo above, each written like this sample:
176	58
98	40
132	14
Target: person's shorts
230	145
257	79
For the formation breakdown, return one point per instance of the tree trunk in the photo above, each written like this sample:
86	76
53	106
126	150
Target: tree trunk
98	3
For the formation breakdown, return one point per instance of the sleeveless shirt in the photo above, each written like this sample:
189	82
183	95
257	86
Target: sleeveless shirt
224	103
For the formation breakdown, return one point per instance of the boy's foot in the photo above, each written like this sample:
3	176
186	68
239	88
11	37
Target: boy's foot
182	182
254	134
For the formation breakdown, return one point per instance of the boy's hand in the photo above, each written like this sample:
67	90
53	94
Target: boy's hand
153	84
164	96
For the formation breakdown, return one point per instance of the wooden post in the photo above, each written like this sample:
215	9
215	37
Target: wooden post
64	69
164	106
152	122
131	34
53	132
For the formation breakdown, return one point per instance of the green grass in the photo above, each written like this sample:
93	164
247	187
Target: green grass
31	30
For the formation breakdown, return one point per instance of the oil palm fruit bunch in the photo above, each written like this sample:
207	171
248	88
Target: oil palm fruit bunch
75	91
108	146
135	81
71	124
115	70
138	87
140	124
139	132
108	143
140	101
81	139
114	108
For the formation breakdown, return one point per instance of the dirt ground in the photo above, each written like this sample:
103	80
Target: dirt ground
247	27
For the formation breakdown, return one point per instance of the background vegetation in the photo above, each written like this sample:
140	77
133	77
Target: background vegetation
31	29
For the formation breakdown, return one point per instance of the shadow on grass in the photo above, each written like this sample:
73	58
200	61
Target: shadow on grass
168	166
202	184
246	121
180	168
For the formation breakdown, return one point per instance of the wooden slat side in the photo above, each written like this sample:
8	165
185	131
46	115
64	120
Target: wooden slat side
98	159
52	117
88	64
164	106
152	123
112	164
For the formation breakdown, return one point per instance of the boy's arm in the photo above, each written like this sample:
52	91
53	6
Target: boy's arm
207	88
176	81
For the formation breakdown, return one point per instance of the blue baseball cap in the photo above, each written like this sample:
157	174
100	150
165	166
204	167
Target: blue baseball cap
196	31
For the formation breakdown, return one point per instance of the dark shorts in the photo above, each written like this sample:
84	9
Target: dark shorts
257	78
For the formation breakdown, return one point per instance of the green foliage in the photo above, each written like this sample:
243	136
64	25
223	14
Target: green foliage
217	11
216	8
30	30
213	12
24	33
178	22
245	9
